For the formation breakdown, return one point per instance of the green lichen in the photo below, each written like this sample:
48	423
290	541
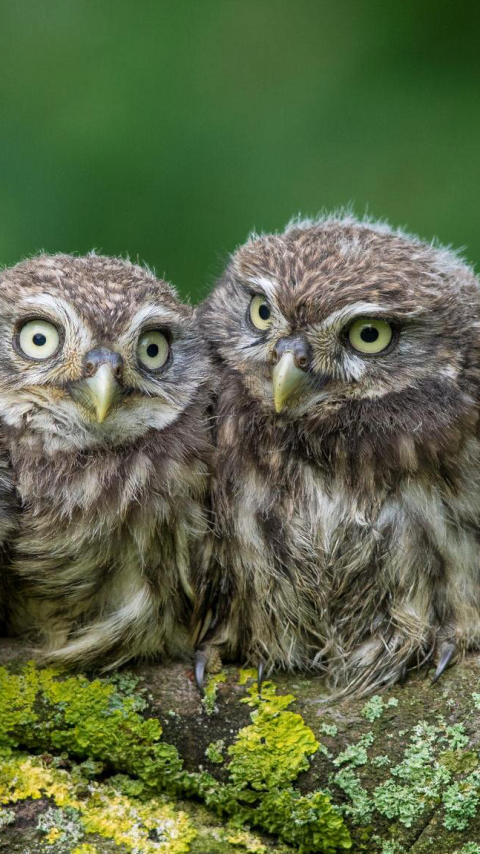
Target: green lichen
381	761
274	749
329	729
210	696
83	808
469	848
247	841
6	817
461	800
421	781
102	724
389	846
265	759
456	736
214	751
61	826
355	754
375	707
361	805
416	782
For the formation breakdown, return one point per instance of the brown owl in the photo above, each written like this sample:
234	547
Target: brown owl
105	456
347	486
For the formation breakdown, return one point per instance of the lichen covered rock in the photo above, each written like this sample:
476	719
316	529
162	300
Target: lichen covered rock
138	763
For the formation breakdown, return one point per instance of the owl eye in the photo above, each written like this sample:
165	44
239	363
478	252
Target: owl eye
153	349
370	335
39	339
260	313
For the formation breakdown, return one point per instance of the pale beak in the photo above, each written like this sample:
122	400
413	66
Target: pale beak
102	390
286	379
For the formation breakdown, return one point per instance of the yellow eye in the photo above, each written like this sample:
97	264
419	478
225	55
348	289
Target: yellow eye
260	313
153	349
369	335
39	339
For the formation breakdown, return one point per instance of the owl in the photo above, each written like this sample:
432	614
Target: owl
347	484
105	454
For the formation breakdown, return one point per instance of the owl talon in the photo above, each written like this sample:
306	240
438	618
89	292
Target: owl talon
260	675
200	665
447	652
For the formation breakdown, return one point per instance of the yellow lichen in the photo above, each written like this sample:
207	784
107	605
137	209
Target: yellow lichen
247	841
99	722
210	696
53	835
85	849
146	827
274	749
245	676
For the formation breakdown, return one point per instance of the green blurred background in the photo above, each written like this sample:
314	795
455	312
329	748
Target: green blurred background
168	129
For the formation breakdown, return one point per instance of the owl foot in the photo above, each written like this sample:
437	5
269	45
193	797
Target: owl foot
200	665
260	676
447	653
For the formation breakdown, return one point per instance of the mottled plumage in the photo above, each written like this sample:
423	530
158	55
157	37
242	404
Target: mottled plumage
105	457
348	536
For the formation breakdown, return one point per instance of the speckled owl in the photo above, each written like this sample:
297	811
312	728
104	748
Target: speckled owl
104	458
347	485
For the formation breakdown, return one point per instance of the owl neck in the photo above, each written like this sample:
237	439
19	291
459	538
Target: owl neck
373	441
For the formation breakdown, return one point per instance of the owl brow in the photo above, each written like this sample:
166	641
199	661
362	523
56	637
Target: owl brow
152	314
59	311
341	316
267	286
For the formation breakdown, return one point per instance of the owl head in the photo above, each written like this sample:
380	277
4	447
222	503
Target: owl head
342	321
93	351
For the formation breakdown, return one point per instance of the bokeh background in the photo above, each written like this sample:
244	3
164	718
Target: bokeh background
168	129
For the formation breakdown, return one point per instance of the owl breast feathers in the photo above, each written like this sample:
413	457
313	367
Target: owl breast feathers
347	483
104	457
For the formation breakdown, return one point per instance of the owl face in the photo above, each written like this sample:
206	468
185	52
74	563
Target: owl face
93	351
337	311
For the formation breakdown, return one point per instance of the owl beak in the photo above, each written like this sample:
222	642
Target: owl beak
102	390
286	378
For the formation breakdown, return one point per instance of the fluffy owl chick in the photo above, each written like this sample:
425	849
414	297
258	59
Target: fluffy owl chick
103	390
347	483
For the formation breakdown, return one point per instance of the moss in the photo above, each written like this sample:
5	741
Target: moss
100	722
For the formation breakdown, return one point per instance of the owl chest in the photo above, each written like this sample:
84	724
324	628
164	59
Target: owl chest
96	514
321	530
299	519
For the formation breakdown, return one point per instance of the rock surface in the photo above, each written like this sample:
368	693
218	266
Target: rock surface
139	763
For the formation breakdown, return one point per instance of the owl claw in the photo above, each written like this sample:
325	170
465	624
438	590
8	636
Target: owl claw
260	675
447	652
200	665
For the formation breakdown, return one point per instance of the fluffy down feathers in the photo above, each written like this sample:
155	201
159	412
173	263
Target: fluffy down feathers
347	533
107	513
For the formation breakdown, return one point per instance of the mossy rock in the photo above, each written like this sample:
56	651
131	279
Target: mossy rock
137	762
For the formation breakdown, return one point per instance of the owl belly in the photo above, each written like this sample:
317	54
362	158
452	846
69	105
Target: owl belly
360	585
101	588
